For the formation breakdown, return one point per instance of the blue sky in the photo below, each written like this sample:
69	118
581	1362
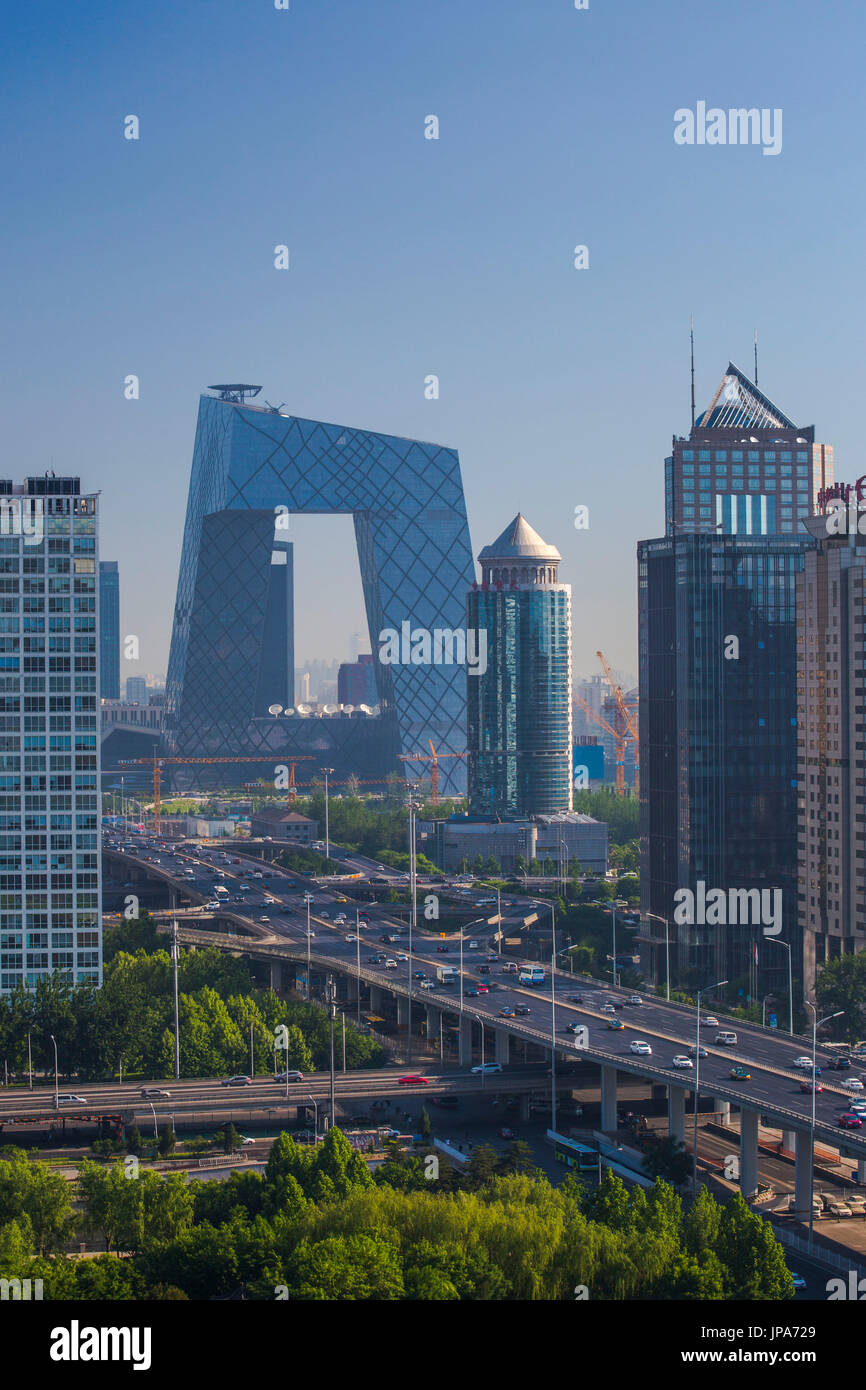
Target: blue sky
408	257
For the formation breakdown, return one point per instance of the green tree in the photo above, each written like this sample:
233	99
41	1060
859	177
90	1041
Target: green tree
425	1127
667	1158
518	1158
231	1139
167	1141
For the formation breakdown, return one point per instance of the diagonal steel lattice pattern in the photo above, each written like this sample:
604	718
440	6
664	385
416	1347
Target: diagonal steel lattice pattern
415	558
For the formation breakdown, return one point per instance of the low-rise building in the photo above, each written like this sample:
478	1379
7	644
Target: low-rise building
280	824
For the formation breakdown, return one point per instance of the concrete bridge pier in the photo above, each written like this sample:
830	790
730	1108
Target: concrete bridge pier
376	999
802	1169
502	1046
861	1170
608	1098
276	974
677	1113
723	1110
464	1056
748	1152
789	1140
402	1011
434	1023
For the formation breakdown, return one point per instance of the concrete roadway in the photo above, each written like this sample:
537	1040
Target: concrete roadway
768	1055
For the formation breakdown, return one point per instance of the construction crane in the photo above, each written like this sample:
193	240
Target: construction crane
619	742
158	763
433	758
624	718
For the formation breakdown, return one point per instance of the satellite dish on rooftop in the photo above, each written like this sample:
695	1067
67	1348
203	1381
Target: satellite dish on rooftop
365	709
302	709
330	709
275	709
347	709
289	711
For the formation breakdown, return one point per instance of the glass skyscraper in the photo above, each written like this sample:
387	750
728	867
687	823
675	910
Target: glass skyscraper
718	688
50	895
519	709
109	630
231	643
745	469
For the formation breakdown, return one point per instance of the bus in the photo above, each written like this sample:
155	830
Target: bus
531	975
582	1157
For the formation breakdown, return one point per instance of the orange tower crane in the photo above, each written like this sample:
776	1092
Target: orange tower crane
158	763
624	718
434	759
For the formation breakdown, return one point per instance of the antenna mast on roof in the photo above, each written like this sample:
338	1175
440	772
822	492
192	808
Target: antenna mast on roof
692	337
756	356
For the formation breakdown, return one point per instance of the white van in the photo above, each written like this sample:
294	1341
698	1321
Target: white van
726	1039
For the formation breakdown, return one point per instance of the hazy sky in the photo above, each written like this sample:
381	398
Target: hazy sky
410	256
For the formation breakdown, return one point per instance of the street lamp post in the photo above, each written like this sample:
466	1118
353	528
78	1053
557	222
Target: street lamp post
329	772
655	916
174	960
29	1064
413	915
332	1014
308	898
815	1023
358	957
56	1073
613	930
705	990
316	1119
774	941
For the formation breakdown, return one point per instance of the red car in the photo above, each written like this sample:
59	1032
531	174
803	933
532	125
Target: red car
807	1086
850	1121
414	1081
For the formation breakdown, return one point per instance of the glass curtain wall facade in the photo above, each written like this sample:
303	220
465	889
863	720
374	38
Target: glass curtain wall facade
109	630
253	466
718	749
50	894
519	709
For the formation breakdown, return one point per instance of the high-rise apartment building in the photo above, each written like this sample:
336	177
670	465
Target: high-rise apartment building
356	682
50	894
109	630
718	692
519	706
831	704
745	469
136	690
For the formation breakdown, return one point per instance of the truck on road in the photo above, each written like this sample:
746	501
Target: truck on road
446	974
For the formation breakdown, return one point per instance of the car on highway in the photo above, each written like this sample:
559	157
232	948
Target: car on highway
695	1052
682	1062
413	1080
441	950
616	1024
400	957
70	1100
642	1049
806	1086
849	1120
797	1280
608	1009
522	1010
508	1012
739	1074
351	937
851	1083
635	999
838	1209
418	975
482	988
573	1027
486	1068
237	1081
573	998
426	984
471	991
711	1021
264	919
839	1063
802	1063
245	1139
390	964
152	1092
289	1076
